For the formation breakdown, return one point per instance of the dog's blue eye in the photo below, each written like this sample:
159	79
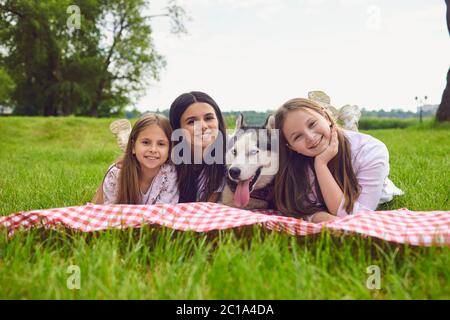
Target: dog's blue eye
253	152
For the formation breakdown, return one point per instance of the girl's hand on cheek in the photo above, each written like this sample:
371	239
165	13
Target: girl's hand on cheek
331	151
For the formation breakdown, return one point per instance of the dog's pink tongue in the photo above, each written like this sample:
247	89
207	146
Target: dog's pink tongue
242	194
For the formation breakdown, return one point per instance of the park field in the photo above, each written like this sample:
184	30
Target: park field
57	162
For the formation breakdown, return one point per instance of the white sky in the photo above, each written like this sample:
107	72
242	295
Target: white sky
256	54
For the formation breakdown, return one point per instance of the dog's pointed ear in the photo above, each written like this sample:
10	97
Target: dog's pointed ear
270	122
240	121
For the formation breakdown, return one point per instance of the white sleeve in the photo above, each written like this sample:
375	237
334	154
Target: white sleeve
170	195
110	185
373	170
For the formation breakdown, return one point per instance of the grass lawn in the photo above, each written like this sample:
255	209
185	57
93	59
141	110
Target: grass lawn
56	162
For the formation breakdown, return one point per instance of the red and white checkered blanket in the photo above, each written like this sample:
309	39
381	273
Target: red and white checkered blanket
424	228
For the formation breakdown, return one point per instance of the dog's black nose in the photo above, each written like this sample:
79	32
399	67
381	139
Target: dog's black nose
234	172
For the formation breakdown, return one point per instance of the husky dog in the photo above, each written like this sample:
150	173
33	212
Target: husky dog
252	162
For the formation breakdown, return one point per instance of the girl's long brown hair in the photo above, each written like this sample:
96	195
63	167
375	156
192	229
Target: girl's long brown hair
292	182
128	186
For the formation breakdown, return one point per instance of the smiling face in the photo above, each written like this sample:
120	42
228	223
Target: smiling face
151	147
307	132
201	122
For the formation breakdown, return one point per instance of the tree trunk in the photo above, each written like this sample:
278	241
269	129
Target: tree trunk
447	2
98	98
443	113
93	112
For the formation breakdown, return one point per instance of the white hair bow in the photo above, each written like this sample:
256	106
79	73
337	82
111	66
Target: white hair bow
347	115
121	129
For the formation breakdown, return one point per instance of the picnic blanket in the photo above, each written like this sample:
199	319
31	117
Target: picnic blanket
422	228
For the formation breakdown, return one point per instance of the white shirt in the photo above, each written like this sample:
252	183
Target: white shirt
370	162
163	189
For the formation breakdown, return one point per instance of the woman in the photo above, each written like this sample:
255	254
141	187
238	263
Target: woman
203	134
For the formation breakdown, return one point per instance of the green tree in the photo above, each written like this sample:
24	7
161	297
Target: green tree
96	69
6	87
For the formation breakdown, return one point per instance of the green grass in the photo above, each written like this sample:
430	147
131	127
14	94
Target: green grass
55	162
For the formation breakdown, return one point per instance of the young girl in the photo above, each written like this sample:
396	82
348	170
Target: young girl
325	171
144	175
200	117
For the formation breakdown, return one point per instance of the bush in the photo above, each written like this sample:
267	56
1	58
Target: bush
386	123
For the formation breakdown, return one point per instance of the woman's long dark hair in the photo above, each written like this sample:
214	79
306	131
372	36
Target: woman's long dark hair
188	173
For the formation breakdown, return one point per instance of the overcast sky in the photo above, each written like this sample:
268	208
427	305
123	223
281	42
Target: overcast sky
256	54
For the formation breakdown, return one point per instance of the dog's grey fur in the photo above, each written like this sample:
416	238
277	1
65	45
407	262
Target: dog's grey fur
251	154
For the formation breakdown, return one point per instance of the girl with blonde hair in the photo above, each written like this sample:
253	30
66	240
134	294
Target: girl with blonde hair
325	171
